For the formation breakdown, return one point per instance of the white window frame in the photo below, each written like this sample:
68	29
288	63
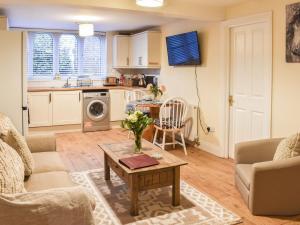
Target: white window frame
56	36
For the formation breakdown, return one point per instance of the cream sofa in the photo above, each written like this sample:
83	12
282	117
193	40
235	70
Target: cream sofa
51	198
268	187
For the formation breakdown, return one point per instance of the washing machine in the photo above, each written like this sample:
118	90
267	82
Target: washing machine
96	111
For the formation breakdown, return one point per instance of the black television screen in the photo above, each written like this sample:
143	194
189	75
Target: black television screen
183	49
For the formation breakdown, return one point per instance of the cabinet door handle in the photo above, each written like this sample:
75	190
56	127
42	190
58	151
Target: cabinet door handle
79	97
127	61
50	98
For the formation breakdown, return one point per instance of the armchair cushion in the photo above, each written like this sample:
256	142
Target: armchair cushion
47	162
12	137
11	170
72	206
49	180
41	143
288	148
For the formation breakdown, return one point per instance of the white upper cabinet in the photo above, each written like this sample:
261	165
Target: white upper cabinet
144	50
121	51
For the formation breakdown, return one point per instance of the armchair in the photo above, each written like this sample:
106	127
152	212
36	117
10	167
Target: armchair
268	187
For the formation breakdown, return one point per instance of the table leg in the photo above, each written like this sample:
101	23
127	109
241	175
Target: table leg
176	187
134	194
106	168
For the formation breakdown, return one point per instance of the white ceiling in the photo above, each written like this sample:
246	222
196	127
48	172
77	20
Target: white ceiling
107	15
53	17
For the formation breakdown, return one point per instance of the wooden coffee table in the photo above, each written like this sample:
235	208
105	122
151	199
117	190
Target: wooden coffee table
167	173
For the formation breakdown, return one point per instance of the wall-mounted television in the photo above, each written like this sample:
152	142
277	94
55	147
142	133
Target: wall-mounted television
184	49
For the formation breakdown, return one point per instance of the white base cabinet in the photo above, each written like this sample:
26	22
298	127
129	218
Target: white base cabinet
40	109
54	108
117	105
66	107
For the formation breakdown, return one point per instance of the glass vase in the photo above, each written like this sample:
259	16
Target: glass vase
138	144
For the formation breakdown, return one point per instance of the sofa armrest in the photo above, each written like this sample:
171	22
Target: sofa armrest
41	143
256	151
56	206
275	188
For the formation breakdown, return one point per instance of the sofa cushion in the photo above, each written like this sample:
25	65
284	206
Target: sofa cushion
47	162
288	148
12	137
11	170
48	180
244	171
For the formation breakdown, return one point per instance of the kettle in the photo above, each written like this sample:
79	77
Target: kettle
142	81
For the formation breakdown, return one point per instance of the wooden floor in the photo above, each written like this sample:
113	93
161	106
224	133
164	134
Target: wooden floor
209	174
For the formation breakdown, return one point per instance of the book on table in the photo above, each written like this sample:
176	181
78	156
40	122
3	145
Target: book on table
138	162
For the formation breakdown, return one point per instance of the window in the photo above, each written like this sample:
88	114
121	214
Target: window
66	54
42	58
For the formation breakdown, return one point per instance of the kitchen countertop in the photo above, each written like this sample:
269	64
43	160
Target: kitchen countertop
41	89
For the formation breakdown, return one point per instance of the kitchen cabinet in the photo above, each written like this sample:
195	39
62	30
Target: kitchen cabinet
142	50
54	108
66	107
145	50
117	105
121	51
40	109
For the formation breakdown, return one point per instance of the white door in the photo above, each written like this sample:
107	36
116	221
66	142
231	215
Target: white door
117	105
250	84
121	51
66	107
40	109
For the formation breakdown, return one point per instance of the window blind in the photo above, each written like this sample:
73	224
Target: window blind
42	54
68	55
93	56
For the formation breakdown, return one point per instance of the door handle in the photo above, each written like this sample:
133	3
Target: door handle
50	98
230	100
127	61
79	97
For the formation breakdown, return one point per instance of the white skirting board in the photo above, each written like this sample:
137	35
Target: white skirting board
211	148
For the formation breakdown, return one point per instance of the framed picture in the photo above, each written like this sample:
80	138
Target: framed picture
293	33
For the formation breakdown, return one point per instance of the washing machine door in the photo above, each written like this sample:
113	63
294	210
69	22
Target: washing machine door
97	110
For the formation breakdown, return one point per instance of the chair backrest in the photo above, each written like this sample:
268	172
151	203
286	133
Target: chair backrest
134	95
173	112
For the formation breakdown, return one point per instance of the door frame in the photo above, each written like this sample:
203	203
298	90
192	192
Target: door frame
225	69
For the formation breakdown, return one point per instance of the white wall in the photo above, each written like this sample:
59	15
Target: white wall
180	81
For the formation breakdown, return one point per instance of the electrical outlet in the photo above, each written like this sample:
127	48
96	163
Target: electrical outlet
211	129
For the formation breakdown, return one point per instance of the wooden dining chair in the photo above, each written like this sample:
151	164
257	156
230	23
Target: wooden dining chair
135	95
171	120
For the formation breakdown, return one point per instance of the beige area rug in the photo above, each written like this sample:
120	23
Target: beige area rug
155	206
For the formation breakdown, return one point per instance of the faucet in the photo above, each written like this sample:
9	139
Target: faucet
67	84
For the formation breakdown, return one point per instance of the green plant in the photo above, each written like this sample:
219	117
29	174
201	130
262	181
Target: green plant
155	90
137	122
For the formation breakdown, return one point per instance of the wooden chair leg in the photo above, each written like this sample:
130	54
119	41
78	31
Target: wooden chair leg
183	142
155	136
173	137
164	140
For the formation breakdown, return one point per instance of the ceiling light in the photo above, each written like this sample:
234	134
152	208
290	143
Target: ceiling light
150	3
86	29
